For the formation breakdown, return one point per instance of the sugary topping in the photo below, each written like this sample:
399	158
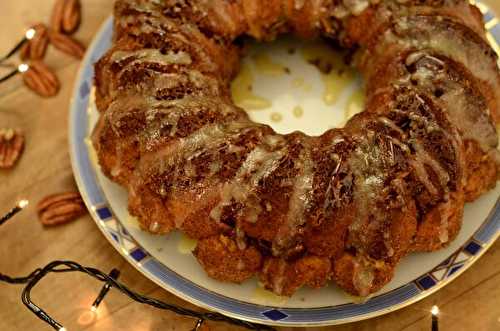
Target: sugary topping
152	56
466	108
363	277
450	39
259	164
298	203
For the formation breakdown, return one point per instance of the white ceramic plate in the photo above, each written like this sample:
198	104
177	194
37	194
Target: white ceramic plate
296	96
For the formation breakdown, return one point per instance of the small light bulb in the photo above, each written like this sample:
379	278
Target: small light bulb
23	203
62	329
23	67
30	34
435	310
93	309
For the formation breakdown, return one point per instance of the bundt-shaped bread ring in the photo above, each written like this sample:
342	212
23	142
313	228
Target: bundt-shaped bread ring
292	209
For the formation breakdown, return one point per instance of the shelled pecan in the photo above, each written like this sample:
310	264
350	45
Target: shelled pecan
40	79
36	48
66	16
60	208
67	44
11	147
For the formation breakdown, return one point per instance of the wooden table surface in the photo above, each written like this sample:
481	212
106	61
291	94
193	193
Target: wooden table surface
472	302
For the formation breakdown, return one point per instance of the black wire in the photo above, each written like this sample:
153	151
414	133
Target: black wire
8	56
115	273
14	50
9	75
18	280
69	266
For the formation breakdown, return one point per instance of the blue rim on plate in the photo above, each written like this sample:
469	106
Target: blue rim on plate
113	230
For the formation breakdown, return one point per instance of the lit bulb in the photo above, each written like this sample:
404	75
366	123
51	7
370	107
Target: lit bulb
30	34
62	329
23	203
435	310
23	67
88	317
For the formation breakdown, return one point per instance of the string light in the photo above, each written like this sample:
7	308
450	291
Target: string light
109	281
23	203
198	325
23	67
9	75
19	206
114	274
435	320
88	317
30	33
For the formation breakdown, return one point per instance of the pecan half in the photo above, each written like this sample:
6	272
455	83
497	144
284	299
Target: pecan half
66	16
36	48
25	52
60	208
11	147
67	44
57	14
41	80
71	16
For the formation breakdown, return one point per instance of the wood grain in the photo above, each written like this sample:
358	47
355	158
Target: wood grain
472	302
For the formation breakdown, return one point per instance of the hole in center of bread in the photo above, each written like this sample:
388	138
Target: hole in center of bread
296	85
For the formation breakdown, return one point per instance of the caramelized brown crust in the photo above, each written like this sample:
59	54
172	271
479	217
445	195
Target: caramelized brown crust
296	210
482	171
286	277
223	260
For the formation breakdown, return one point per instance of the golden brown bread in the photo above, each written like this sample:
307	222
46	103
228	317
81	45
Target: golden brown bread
298	210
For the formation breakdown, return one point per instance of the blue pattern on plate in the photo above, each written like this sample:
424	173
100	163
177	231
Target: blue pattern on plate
495	30
113	230
489	229
104	213
426	282
488	16
84	90
454	269
275	315
445	263
138	254
472	248
115	237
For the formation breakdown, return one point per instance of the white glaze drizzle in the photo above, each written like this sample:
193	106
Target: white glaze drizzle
367	162
390	124
205	138
362	276
297	204
446	212
280	277
473	123
152	55
447	43
423	158
203	84
258	164
154	23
